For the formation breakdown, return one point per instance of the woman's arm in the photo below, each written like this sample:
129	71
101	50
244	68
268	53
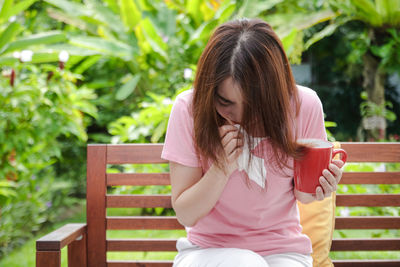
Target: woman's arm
193	195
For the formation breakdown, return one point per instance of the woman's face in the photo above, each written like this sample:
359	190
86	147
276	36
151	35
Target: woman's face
229	101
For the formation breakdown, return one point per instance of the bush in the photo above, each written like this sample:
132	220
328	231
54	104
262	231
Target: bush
43	106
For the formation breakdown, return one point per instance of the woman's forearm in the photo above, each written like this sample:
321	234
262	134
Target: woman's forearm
199	199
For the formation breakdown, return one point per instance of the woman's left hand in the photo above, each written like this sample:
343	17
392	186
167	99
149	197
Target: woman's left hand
329	180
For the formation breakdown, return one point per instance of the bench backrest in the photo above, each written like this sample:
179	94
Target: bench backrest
99	156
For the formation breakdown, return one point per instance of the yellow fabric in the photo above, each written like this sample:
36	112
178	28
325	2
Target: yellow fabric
318	221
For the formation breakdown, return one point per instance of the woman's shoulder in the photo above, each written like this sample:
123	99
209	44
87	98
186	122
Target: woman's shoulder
184	98
305	92
307	96
186	95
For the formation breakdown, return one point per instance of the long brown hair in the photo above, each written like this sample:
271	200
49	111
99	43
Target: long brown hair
250	52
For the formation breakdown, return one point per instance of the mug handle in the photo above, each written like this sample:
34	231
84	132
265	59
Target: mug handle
341	151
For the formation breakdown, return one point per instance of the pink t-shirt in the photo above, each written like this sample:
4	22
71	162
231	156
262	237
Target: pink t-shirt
261	216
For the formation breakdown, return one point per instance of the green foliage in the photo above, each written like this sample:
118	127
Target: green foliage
370	109
11	29
149	124
43	105
7	190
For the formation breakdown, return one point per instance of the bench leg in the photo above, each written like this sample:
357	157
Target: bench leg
77	253
48	258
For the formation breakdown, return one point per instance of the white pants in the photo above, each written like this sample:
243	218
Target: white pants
190	255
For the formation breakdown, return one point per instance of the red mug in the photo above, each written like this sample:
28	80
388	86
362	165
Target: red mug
318	155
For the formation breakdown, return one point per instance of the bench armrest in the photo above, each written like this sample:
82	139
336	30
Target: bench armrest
48	248
61	237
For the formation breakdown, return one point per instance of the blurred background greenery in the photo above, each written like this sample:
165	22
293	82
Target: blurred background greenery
103	71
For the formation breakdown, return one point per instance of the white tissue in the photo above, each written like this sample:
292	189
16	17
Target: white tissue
256	170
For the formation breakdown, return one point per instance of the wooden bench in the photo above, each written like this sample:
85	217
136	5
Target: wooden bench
87	243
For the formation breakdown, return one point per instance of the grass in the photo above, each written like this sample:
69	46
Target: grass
25	255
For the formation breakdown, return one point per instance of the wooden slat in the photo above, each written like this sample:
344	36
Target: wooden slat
141	245
143	222
96	205
365	244
367	222
61	237
366	263
350	244
368	200
370	178
138	201
113	263
138	179
134	153
77	252
372	152
48	258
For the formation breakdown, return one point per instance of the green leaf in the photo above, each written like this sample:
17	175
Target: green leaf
288	40
87	63
193	9
106	16
151	35
71	20
366	10
5	10
252	9
390	11
130	13
35	39
107	47
7	61
159	131
330	124
113	5
383	51
70	7
127	88
203	32
5	183
10	32
225	12
284	23
71	49
327	31
7	192
19	7
44	57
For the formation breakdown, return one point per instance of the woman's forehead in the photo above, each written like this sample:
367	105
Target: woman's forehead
229	89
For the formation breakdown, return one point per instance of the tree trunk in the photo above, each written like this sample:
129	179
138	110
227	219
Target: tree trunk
374	85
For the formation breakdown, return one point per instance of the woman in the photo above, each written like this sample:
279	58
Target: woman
231	142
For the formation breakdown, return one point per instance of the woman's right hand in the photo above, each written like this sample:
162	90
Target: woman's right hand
232	141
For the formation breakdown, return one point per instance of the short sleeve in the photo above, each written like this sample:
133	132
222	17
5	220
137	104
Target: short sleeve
311	117
179	142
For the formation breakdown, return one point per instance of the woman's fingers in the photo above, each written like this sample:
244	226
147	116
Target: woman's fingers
229	137
232	141
319	194
232	145
225	129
